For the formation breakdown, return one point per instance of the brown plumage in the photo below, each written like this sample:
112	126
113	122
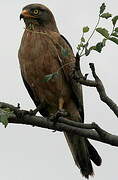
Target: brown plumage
44	51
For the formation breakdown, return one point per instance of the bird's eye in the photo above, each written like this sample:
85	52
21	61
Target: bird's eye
36	11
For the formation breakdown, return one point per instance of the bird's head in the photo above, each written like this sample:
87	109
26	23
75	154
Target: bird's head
39	15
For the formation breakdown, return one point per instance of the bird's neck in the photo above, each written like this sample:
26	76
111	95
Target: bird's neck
41	28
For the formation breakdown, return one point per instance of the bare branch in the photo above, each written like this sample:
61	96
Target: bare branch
101	90
78	76
92	131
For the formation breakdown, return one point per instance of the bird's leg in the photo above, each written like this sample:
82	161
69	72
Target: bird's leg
60	112
61	103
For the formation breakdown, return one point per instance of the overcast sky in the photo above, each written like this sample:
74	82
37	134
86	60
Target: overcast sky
28	153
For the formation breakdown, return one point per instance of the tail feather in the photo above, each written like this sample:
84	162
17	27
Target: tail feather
94	156
80	154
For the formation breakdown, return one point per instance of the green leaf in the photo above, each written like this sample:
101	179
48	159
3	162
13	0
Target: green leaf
87	51
104	32
104	42
114	20
114	34
92	48
4	119
116	29
5	113
82	39
50	76
115	40
106	15
64	52
99	47
79	47
85	29
102	8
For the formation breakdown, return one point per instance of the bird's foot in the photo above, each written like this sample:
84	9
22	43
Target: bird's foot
61	113
57	115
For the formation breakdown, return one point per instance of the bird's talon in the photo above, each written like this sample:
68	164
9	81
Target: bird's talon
62	113
56	116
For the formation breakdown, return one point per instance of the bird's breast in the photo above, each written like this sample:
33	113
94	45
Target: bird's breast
38	58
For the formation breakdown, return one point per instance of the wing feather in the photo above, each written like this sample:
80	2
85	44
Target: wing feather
77	94
43	110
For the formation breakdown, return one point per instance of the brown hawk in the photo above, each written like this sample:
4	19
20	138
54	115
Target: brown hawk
45	53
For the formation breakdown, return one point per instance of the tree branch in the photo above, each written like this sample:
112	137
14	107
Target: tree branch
101	90
92	131
78	76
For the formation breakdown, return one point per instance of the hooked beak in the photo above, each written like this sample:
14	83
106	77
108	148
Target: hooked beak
25	14
21	16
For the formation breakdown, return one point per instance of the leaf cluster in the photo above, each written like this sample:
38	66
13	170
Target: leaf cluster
4	115
83	46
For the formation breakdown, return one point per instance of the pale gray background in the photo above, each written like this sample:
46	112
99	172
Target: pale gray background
28	153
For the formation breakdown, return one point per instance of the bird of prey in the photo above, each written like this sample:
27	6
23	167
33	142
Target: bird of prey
46	62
